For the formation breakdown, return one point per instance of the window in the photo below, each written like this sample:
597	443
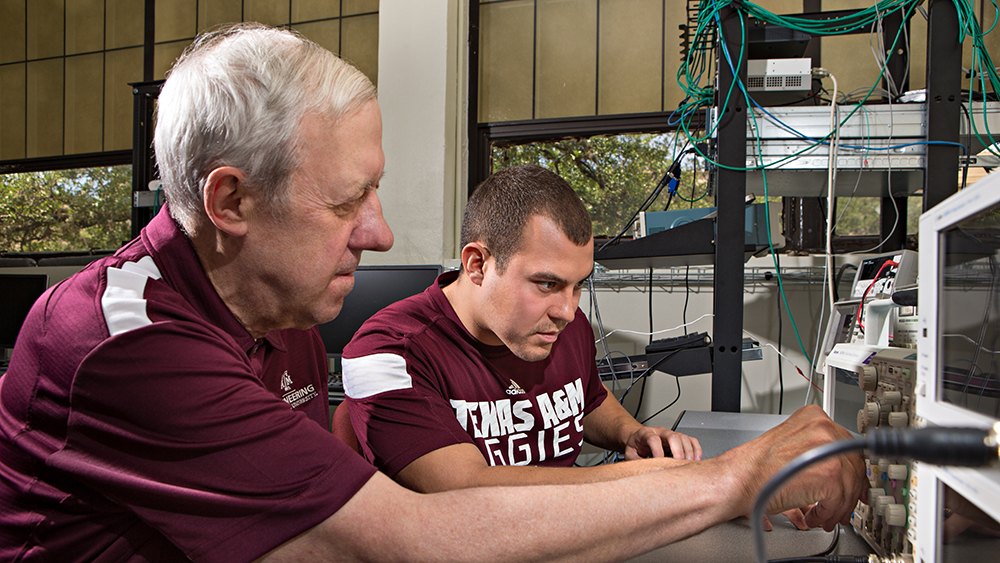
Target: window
65	210
614	174
854	217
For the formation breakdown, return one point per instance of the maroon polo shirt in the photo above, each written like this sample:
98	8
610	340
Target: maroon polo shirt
139	421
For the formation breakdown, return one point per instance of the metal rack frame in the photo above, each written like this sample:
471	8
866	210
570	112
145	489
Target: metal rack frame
943	108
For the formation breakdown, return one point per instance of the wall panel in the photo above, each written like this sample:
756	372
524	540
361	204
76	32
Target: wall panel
12	111
84	108
44	108
566	58
66	65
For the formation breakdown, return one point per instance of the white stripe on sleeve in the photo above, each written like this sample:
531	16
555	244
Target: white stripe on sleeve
123	302
374	374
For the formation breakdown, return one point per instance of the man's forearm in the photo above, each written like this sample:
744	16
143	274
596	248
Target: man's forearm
598	522
461	466
646	511
515	475
608	521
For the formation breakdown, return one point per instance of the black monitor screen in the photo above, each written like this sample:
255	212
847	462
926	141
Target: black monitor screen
375	287
18	293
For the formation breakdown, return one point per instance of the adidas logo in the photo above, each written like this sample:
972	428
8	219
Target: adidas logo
515	389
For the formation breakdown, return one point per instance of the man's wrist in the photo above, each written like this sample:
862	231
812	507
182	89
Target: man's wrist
630	434
746	470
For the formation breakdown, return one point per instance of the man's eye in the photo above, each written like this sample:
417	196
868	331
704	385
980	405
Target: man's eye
549	285
344	209
349	207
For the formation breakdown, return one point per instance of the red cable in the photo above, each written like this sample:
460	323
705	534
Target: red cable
867	289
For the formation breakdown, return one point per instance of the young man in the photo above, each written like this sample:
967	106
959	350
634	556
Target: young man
167	403
488	377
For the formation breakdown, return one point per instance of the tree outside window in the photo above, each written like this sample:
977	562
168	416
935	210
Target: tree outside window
614	174
65	210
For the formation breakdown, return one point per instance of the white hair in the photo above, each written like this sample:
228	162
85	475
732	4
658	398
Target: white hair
237	97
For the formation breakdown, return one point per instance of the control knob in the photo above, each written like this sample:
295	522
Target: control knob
897	472
895	515
869	379
899	419
893	398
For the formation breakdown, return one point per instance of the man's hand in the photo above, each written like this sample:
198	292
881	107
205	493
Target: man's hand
795	516
834	484
649	441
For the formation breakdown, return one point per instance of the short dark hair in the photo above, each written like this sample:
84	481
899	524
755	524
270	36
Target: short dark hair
500	207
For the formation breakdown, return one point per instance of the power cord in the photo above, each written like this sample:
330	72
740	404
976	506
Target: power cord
827	559
671	178
840	276
646	373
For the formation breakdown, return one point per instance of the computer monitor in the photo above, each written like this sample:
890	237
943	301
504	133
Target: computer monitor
958	368
375	287
18	293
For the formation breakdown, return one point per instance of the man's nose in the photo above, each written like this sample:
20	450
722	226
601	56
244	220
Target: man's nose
372	232
565	309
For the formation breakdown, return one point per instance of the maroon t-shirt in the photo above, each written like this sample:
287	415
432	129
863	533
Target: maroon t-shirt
416	380
139	421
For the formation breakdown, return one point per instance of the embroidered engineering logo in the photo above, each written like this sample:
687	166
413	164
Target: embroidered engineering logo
298	396
515	389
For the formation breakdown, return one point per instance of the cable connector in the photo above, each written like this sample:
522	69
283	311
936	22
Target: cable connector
940	445
820	72
672	186
674	173
992	439
894	558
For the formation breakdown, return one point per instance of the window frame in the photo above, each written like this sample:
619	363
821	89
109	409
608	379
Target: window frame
803	218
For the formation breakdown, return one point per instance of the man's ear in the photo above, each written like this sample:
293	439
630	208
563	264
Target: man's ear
474	257
225	200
